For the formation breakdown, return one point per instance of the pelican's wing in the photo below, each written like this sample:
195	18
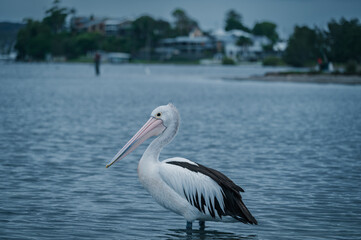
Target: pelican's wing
210	191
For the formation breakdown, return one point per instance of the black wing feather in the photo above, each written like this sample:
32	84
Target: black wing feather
234	205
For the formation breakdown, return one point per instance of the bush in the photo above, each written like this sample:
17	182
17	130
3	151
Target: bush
351	67
272	61
228	61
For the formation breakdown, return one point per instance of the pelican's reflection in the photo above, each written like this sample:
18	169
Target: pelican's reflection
205	234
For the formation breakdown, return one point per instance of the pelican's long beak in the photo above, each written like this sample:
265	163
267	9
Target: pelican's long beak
153	127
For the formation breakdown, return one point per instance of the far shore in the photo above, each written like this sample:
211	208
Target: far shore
295	77
323	78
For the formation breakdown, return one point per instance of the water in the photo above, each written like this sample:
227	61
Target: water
294	148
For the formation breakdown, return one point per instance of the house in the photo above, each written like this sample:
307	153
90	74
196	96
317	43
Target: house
117	27
192	47
88	24
96	25
106	26
252	49
280	46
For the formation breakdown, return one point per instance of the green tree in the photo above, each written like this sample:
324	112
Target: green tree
116	44
244	41
267	29
234	21
162	29
55	17
344	40
86	42
33	41
37	39
57	44
303	47
143	32
147	31
183	23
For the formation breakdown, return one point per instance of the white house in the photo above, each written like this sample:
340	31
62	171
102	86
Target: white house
229	41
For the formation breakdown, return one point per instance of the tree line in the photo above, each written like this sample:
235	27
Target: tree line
49	36
339	43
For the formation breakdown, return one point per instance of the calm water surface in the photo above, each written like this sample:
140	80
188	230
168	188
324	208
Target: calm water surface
294	148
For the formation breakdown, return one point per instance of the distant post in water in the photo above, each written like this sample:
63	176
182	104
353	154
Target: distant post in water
97	63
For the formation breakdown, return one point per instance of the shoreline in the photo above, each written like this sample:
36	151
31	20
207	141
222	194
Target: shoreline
291	77
303	78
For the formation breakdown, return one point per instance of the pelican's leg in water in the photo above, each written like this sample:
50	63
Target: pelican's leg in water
189	225
202	225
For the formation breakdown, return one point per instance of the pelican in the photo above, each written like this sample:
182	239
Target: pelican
180	185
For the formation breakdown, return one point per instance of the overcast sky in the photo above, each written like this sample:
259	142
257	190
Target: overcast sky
209	13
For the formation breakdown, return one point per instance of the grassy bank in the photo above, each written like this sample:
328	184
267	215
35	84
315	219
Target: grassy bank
302	77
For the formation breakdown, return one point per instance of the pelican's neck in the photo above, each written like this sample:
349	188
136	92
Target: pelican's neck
152	152
155	147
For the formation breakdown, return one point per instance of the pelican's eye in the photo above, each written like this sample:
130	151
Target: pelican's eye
159	114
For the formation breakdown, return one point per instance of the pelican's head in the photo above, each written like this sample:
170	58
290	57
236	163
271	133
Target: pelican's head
163	119
168	114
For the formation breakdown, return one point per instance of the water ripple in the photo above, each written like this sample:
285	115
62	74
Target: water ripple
294	148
